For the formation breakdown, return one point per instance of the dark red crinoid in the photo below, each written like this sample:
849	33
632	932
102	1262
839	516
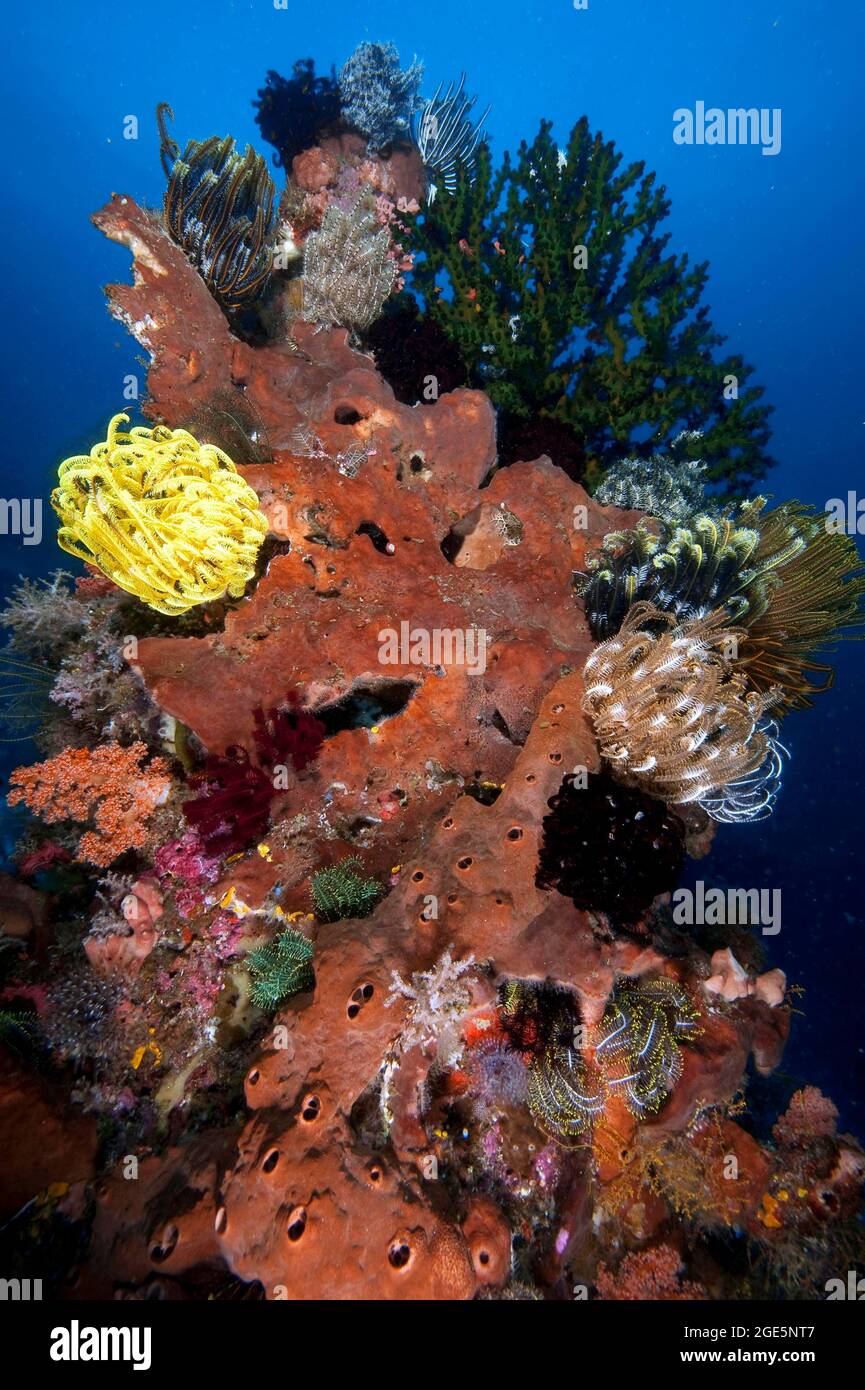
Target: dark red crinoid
231	807
234	792
290	735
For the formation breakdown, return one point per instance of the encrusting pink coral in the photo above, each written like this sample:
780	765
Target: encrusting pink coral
648	1274
185	866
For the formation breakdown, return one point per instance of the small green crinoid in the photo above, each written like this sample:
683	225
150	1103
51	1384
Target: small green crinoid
339	892
17	1031
281	968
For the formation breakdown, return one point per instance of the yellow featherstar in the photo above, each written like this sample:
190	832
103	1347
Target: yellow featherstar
166	518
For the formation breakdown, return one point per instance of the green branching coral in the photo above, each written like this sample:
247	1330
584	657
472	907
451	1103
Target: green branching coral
281	968
339	892
552	279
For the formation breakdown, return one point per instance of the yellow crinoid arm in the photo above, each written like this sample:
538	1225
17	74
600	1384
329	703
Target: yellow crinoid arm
168	519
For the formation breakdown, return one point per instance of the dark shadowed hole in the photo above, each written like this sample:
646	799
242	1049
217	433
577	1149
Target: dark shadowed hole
376	534
366	705
399	1254
499	722
270	1160
347	415
165	1246
483	792
451	546
296	1223
311	1109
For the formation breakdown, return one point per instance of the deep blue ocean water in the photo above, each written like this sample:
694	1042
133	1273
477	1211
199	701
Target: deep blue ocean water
783	236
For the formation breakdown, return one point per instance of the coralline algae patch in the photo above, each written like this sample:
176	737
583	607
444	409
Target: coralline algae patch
352	929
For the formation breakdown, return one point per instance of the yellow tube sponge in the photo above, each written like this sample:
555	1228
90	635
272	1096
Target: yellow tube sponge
166	518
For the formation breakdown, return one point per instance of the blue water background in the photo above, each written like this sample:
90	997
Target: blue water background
783	236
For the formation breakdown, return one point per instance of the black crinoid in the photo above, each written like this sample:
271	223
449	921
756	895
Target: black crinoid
522	440
608	847
413	354
294	113
219	206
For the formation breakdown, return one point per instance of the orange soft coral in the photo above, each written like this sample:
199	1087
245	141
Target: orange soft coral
107	786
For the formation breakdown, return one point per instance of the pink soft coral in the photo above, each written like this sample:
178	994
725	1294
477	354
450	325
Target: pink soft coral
809	1116
648	1274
